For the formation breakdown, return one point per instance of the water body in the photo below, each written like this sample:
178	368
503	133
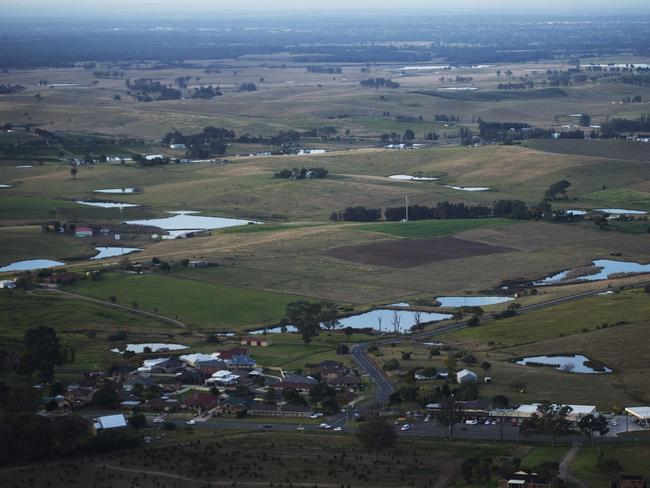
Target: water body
570	364
412	178
621	211
400	305
31	264
576	212
109	252
5	186
470	301
608	266
116	190
407	319
186	220
107	204
469	188
460	88
155	347
22	166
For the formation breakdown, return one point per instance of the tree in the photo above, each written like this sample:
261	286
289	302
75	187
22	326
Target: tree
500	401
376	434
474	321
486	366
305	316
556	188
450	364
106	396
138	421
549	419
342	349
41	352
409	135
328	315
451	412
112	298
73	172
320	391
590	425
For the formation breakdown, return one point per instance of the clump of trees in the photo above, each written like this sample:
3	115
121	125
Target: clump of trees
331	70
247	87
206	92
379	83
142	90
309	317
301	174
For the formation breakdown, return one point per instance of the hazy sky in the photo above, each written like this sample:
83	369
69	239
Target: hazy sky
125	8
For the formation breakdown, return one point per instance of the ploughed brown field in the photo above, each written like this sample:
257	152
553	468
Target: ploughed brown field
407	253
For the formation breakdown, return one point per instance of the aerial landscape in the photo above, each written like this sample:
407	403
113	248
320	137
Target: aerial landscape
274	244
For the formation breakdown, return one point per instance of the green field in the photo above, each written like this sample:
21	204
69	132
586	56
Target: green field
433	228
208	306
563	320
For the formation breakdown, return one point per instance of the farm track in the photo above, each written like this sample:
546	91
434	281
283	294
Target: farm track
173	321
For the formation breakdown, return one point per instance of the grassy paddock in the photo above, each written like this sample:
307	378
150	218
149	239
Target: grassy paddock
205	305
433	228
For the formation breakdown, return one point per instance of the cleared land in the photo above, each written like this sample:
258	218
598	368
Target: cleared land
412	253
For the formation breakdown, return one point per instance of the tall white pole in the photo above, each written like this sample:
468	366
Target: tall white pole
406	199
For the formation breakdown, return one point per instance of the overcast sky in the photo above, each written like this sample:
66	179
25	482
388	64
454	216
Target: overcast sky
125	8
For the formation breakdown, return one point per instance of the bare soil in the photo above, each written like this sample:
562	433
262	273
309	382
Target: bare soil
407	253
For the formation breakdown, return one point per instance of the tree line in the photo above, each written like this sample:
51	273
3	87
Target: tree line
379	83
515	209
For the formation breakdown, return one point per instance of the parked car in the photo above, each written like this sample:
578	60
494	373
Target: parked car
315	415
405	427
471	422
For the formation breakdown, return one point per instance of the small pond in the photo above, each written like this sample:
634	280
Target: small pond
469	188
459	88
470	301
186	220
621	211
31	264
407	319
110	252
155	347
116	190
576	212
571	364
606	268
412	178
23	166
5	186
107	204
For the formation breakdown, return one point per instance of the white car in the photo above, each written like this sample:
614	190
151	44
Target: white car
405	427
325	426
316	415
191	422
338	429
300	427
158	420
471	422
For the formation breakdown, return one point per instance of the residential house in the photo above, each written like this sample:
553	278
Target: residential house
345	383
521	479
301	384
198	263
223	377
201	401
239	362
226	354
8	284
163	404
630	481
233	405
78	396
83	232
466	376
260	341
